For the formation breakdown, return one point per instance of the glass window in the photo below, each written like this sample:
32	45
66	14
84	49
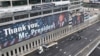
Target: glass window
64	0
59	9
46	12
21	2
35	14
75	3
34	1
5	19
56	0
65	8
5	4
46	0
74	0
21	16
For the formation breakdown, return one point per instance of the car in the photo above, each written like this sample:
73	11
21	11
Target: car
50	44
40	50
71	38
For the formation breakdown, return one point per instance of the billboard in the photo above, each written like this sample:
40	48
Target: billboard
18	32
95	1
76	19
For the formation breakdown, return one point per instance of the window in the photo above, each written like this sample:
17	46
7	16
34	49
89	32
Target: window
5	19
75	3
46	0
5	4
34	1
56	0
74	0
46	12
65	8
59	9
21	2
64	0
21	16
35	14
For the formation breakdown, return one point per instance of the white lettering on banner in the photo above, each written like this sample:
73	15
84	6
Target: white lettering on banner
30	28
10	31
45	28
32	25
22	35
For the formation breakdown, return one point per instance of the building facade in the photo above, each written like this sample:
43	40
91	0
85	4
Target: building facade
27	24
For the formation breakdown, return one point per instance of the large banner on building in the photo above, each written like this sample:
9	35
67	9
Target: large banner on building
17	32
76	18
95	1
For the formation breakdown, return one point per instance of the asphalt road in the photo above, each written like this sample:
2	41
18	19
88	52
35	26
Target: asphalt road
96	51
70	48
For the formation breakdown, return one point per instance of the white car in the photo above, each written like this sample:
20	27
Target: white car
40	50
50	44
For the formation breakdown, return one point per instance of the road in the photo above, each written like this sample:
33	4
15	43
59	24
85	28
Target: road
96	51
70	48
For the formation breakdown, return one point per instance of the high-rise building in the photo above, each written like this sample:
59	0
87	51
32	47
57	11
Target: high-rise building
27	24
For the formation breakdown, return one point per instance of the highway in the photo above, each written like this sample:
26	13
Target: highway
96	51
68	47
